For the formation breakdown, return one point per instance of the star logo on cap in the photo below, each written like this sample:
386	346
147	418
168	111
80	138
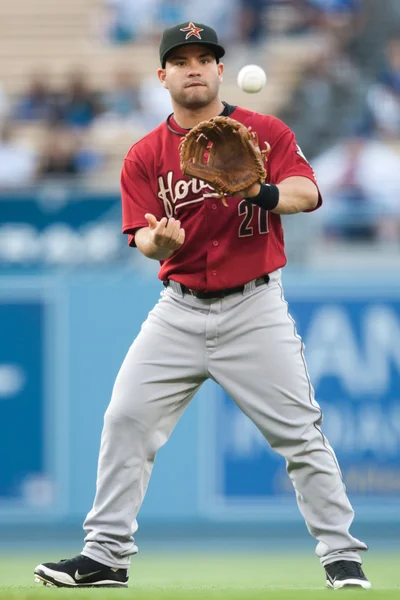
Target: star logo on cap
192	30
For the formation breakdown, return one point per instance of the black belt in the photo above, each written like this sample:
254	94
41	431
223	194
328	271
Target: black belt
220	293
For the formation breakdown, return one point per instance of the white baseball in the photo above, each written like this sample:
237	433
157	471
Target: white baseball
251	79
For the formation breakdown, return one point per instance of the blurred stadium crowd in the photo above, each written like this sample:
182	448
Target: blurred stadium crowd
78	87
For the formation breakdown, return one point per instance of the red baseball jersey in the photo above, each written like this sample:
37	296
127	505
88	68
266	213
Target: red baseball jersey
224	246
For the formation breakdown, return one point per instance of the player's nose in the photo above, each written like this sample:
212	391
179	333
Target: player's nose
193	70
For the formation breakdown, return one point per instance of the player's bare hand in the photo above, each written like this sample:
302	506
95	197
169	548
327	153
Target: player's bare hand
166	233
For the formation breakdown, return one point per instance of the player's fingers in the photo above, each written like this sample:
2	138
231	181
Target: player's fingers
175	231
159	230
181	237
169	228
152	221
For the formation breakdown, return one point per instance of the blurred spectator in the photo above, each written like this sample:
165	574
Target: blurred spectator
171	12
156	102
38	101
325	102
64	155
123	99
143	20
342	18
88	159
129	20
337	13
336	7
3	103
17	162
253	20
383	99
390	76
382	19
78	105
360	181
59	156
292	17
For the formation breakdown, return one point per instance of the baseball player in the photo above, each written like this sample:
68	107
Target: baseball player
222	315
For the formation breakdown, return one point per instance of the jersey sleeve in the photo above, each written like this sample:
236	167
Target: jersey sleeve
286	159
137	198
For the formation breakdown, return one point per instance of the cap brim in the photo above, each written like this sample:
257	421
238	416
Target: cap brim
218	50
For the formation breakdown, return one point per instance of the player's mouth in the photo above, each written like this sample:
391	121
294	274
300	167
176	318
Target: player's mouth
195	84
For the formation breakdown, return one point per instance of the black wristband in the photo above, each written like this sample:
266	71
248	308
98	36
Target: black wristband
267	198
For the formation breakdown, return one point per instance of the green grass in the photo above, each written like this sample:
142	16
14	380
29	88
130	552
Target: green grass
200	576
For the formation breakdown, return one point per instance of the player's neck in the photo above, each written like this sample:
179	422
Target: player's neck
187	118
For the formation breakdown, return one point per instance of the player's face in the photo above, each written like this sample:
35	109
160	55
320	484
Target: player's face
192	76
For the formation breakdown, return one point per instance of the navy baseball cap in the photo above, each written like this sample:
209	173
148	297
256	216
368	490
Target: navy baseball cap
189	33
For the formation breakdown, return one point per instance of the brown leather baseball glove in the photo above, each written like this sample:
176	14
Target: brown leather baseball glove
225	154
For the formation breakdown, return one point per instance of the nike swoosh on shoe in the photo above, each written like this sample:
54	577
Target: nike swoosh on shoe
79	577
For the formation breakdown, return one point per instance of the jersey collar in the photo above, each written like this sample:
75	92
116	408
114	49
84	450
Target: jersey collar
175	128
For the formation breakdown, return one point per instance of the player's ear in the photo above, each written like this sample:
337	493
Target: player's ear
161	76
221	68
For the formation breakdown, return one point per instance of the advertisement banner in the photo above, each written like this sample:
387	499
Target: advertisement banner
352	351
32	404
59	226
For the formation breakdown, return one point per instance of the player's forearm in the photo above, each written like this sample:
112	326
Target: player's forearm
296	194
148	248
292	195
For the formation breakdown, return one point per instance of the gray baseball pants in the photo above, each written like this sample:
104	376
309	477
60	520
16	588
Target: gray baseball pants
247	343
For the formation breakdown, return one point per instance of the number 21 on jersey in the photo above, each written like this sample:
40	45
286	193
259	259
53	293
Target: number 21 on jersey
246	210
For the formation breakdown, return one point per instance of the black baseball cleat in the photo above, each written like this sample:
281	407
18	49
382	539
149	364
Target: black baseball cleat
346	574
80	571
